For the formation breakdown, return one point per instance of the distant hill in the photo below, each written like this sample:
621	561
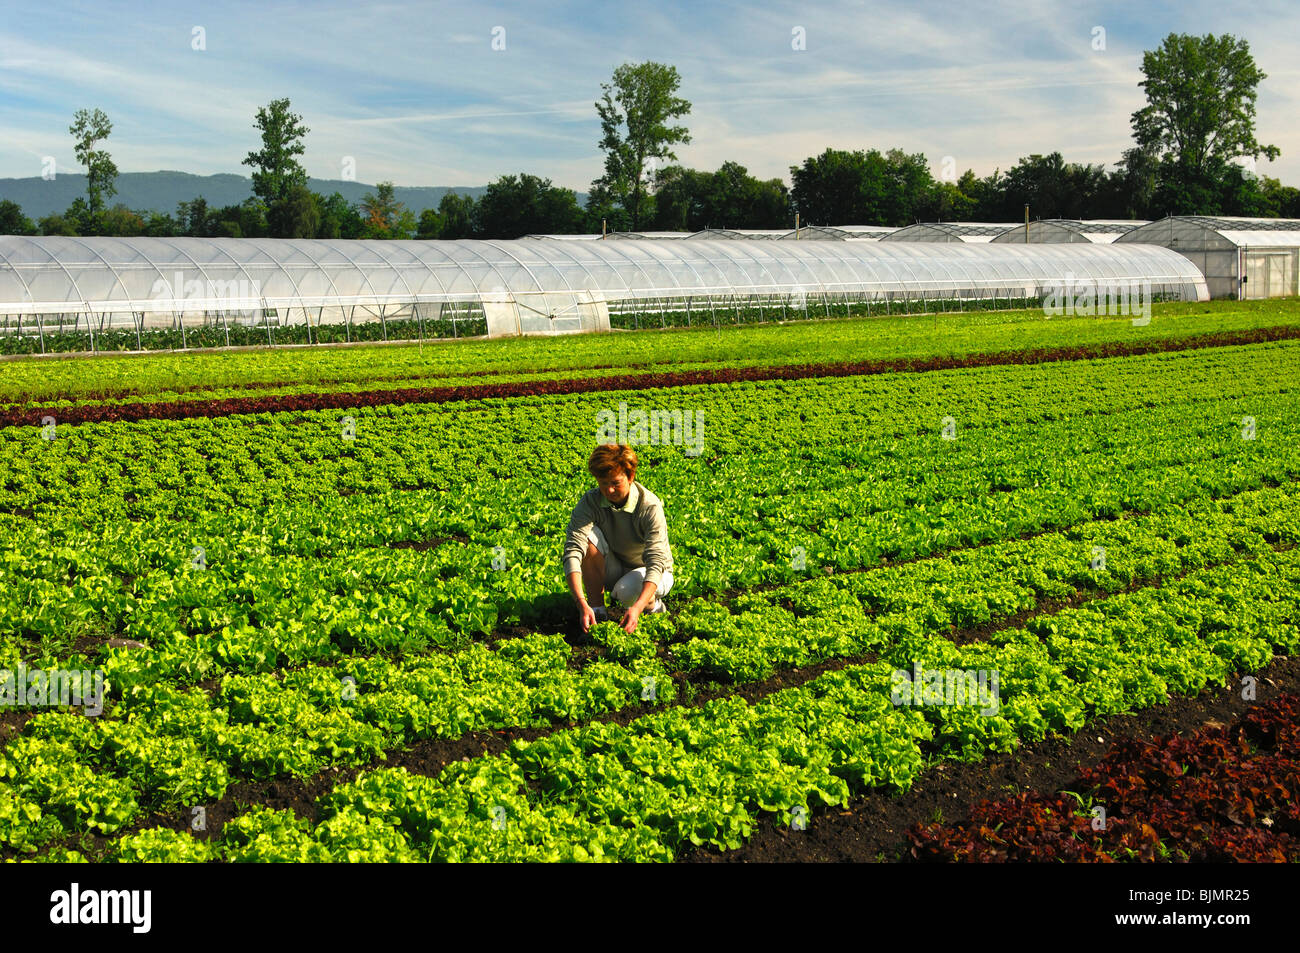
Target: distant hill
162	191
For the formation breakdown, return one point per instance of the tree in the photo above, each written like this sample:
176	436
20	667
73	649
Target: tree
120	221
862	188
385	217
457	214
687	199
192	218
1283	200
949	202
276	170
13	221
735	199
828	189
338	217
81	218
1130	190
514	206
604	214
247	220
430	225
1050	186
57	224
88	129
1200	115
160	225
296	215
634	114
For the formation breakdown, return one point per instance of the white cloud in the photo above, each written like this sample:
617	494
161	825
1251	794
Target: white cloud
416	94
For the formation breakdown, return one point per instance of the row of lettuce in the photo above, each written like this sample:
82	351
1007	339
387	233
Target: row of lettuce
319	639
210	586
45	381
166	749
709	775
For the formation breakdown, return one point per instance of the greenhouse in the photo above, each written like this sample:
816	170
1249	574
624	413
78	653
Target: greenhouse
228	291
839	233
648	235
1240	257
972	232
739	233
1097	231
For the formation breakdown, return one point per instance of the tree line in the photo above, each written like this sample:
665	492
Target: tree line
1189	142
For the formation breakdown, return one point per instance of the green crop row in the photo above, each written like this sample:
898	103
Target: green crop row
174	748
301	582
707	776
51	340
250	608
855	340
262	596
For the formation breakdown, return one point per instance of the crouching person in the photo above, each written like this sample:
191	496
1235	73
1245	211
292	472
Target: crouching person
617	541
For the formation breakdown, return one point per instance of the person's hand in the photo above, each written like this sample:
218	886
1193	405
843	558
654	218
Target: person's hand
586	617
630	618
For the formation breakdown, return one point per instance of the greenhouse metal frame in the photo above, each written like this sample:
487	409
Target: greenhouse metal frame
1049	230
948	232
839	233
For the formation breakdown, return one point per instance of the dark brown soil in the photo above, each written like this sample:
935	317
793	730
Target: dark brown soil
873	828
13	722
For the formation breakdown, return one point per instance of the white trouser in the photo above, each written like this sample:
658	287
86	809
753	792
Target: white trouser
622	583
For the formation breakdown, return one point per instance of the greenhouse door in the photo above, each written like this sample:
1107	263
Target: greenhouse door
1270	274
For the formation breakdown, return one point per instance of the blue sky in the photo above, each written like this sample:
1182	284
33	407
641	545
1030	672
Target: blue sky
414	92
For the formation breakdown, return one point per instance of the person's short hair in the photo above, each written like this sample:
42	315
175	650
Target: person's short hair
609	459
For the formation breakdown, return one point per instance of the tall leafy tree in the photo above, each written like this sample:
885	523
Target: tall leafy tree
430	225
862	188
89	129
57	223
13	221
276	169
1199	117
1130	190
514	206
457	216
828	189
381	211
689	199
296	215
193	218
635	114
338	217
1050	186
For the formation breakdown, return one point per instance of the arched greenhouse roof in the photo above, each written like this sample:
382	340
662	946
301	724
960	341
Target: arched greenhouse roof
737	234
976	232
1095	230
51	274
1208	233
839	233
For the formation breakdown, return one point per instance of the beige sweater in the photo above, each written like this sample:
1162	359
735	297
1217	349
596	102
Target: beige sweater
637	532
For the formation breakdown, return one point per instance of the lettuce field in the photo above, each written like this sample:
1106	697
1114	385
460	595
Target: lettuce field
308	605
